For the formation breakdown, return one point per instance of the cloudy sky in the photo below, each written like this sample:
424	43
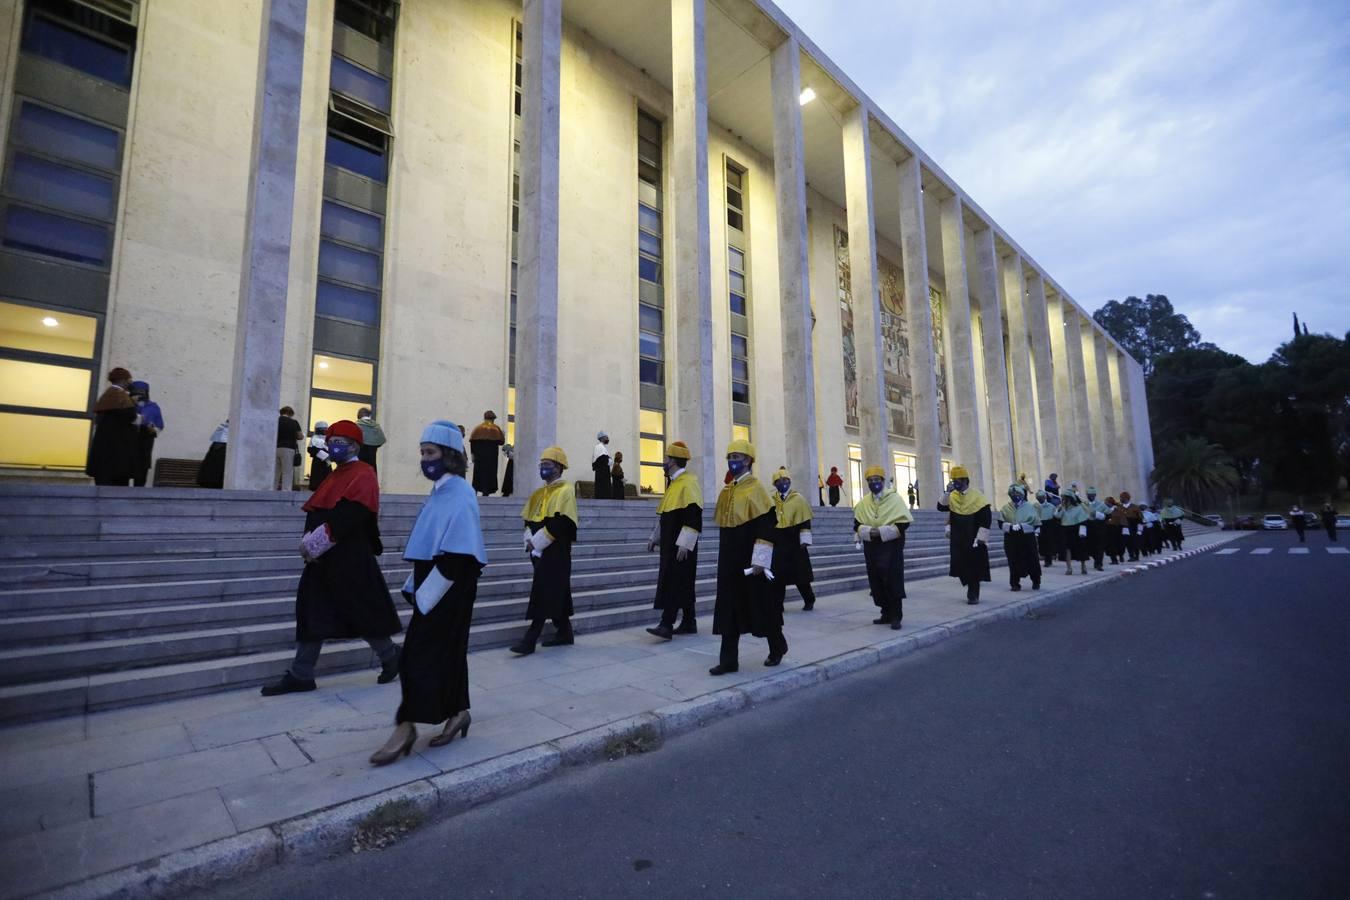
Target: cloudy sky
1194	148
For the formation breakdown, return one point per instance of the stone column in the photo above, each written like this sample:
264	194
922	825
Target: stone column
255	394
537	290
919	327
693	274
1026	449
1109	448
1057	312
1129	470
794	289
1087	435
999	411
1038	321
1143	435
873	416
962	394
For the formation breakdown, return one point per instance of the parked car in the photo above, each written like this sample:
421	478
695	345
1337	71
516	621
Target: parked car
1246	523
1273	522
1343	521
1215	520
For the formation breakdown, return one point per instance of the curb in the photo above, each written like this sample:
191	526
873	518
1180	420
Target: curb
325	832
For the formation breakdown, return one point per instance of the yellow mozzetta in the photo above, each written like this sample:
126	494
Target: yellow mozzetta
969	503
792	510
682	491
888	508
552	499
741	501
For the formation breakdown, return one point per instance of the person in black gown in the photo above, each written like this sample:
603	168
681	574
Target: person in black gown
447	553
115	449
550	530
484	442
679	525
600	466
342	591
969	519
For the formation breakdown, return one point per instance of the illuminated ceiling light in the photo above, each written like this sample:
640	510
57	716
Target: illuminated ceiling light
50	322
323	364
807	96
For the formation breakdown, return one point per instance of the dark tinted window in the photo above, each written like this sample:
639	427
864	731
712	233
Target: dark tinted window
58	134
358	158
71	47
339	302
52	235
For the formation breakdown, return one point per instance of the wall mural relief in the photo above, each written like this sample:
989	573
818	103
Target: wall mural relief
844	286
895	350
940	367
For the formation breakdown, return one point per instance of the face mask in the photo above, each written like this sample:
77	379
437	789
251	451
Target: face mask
961	484
343	452
1040	496
1016	498
1092	496
876	487
433	469
546	472
784	487
735	466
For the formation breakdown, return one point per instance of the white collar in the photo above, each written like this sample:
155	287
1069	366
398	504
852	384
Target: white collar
677	473
741	477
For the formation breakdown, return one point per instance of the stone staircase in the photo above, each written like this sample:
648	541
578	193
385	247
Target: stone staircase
118	596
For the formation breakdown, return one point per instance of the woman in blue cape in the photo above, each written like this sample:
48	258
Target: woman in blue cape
447	553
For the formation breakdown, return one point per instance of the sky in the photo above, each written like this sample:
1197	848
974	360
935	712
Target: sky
1195	149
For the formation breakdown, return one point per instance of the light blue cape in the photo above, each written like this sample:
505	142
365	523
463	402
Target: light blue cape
448	523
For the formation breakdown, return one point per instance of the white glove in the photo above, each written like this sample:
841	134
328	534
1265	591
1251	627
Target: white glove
434	587
981	537
1082	531
889	532
804	537
540	541
1099	516
316	543
947	530
1125	531
681	554
528	544
1017	527
687	540
654	538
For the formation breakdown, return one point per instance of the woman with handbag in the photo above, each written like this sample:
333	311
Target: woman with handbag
447	553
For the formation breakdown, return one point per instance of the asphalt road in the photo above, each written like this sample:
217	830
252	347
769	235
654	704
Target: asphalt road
1180	733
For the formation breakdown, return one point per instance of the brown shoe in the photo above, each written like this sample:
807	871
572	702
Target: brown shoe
400	743
459	722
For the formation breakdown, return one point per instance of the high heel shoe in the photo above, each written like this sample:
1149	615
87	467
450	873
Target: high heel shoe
459	722
400	743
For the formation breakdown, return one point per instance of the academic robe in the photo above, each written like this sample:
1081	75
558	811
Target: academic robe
484	442
745	603
969	564
1128	520
1048	541
1073	521
152	422
115	448
616	482
1097	530
834	482
343	593
600	466
509	478
551	588
1019	544
791	559
885	560
680	508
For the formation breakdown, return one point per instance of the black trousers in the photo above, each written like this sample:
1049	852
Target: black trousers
562	623
668	615
731	641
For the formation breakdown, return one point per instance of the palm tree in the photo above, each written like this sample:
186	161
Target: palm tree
1194	470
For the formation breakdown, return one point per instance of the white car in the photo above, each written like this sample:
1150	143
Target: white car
1273	522
1343	521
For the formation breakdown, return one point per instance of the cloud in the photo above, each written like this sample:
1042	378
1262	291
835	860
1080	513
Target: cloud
1197	149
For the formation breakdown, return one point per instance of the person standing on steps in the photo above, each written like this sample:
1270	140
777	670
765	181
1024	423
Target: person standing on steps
1018	520
447	553
1172	516
115	446
319	467
880	520
679	525
1298	518
484	442
616	476
746	603
791	541
509	476
372	436
969	520
1096	528
550	530
211	472
600	465
820	489
151	424
1329	520
289	436
342	591
1073	519
833	483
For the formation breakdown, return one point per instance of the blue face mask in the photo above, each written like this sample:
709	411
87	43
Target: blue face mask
1017	499
735	467
342	452
783	487
546	472
876	486
433	469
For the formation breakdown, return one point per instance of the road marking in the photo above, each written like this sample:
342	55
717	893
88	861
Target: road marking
1338	549
1260	551
1299	550
1227	551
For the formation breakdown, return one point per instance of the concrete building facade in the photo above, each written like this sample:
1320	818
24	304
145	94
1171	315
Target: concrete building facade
666	219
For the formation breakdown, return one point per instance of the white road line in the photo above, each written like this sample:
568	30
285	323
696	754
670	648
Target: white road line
1299	550
1227	551
1338	549
1261	551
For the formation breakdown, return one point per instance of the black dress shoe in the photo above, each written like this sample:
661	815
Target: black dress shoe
389	671
691	628
772	660
882	620
807	607
1015	587
1035	585
721	669
896	625
559	640
523	649
662	631
972	602
288	684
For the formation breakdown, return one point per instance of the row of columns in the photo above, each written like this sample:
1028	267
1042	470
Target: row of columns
1048	406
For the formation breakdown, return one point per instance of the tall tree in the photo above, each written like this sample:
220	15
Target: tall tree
1194	470
1147	328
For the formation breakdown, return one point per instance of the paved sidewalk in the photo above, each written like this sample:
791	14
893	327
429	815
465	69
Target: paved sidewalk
87	795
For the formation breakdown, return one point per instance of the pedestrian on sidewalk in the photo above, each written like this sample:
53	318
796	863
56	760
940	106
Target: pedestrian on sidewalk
1115	544
372	436
834	482
679	524
289	436
969	521
600	466
342	592
1096	528
1047	534
745	602
791	541
319	465
484	441
115	447
1073	519
1298	518
447	553
1329	520
211	472
550	530
616	476
151	423
1018	520
1172	517
880	520
1150	536
1128	519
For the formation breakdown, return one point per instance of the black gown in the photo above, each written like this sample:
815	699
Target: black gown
211	473
1023	557
792	563
115	450
886	572
484	465
145	452
675	580
343	593
969	563
1329	522
600	466
746	604
508	478
551	588
434	667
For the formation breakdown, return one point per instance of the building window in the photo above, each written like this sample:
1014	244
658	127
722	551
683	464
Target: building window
906	472
372	18
652	451
517	88
75	35
651	305
738	291
855	473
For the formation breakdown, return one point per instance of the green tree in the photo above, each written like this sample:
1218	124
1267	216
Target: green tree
1309	377
1194	470
1180	392
1148	328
